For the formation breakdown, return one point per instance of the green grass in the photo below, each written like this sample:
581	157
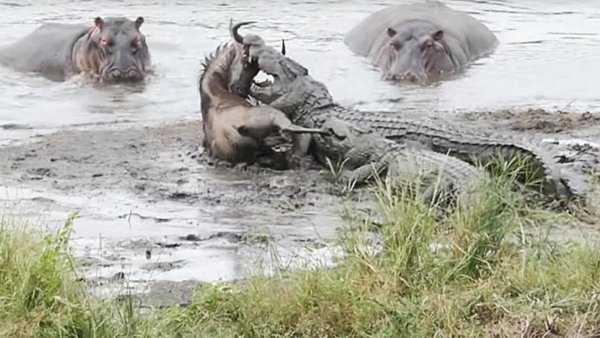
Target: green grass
39	292
484	270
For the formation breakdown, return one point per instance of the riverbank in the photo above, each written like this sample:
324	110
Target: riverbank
156	220
486	269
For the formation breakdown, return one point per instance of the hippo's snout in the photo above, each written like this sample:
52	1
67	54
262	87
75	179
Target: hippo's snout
411	77
407	76
131	74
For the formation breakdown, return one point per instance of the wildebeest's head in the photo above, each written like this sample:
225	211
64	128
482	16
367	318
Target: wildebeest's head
256	56
115	50
416	52
242	70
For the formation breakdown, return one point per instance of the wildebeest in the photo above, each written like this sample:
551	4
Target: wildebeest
234	129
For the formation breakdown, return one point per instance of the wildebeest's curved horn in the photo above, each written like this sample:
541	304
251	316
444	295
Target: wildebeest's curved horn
234	30
283	46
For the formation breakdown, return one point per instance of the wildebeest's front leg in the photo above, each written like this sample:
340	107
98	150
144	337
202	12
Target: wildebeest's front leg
267	121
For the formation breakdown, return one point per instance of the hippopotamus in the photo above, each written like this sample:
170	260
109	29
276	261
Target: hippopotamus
420	42
111	50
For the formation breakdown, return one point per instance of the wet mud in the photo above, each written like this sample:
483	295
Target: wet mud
537	120
153	208
570	140
156	217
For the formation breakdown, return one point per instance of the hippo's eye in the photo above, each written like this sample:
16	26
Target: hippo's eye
427	45
136	44
106	42
396	45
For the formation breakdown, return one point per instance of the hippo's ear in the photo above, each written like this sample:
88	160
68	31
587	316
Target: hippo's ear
99	23
139	21
438	36
391	32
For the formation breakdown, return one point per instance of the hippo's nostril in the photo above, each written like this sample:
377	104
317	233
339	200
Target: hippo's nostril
411	77
115	73
133	74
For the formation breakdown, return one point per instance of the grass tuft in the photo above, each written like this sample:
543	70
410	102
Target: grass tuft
486	269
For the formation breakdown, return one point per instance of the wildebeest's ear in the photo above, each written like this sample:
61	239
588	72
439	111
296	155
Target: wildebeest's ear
139	21
99	23
391	32
439	35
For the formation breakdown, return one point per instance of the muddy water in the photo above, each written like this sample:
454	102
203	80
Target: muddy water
546	51
546	58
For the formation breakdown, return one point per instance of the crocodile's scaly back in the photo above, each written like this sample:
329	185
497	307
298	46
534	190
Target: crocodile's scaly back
464	145
309	103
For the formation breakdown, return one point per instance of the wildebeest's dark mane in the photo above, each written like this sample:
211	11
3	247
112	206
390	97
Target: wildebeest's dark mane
218	63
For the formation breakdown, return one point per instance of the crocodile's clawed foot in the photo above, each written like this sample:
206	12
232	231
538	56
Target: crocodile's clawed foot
363	174
339	136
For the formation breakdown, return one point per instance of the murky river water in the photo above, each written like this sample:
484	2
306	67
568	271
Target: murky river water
547	57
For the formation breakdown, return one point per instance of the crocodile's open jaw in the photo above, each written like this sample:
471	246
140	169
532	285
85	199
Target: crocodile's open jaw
266	87
267	82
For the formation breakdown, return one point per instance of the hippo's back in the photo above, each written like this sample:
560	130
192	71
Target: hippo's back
46	50
370	35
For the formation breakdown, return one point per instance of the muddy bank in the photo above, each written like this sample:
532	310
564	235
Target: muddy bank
570	140
153	208
156	215
539	121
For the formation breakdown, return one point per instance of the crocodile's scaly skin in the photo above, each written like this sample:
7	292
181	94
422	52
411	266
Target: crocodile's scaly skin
366	153
369	154
308	103
460	144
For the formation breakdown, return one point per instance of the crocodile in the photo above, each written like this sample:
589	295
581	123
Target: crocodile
308	102
366	155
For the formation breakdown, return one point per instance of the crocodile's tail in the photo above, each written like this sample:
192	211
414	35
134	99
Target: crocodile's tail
441	178
436	178
466	146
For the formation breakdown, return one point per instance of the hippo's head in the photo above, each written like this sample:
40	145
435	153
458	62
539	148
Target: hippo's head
115	50
416	54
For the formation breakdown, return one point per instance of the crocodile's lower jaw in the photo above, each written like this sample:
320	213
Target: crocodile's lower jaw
268	79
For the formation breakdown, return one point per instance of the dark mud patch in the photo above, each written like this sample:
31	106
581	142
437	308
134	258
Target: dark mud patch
157	164
539	120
